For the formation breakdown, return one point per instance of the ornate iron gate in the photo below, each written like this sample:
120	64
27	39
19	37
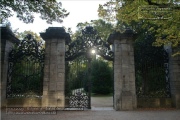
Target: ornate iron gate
89	40
77	83
151	70
25	69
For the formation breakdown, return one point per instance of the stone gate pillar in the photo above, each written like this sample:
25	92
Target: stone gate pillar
124	71
54	67
174	70
8	40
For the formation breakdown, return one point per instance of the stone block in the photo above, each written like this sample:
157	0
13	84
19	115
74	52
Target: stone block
45	87
61	70
45	92
52	86
117	47
131	60
46	69
61	54
46	75
60	48
54	43
123	41
127	100
52	67
61	76
59	83
131	77
117	76
61	66
118	88
125	47
24	102
61	59
125	72
125	53
45	83
125	61
177	100
126	66
52	102
60	87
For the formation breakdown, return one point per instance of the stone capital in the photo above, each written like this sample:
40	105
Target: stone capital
126	36
7	34
56	33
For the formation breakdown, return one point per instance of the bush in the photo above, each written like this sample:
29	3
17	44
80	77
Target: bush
101	76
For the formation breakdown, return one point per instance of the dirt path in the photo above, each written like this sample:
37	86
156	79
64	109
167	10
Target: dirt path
102	101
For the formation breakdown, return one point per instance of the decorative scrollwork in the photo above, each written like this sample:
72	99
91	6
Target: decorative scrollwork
79	100
87	41
25	69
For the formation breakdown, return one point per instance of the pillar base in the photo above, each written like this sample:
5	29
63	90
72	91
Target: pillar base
176	101
127	101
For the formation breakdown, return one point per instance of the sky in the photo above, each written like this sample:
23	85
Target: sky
80	11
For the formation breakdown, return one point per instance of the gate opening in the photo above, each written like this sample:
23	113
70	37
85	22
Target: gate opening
80	56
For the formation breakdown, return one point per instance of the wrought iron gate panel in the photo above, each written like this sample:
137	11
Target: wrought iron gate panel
87	41
152	72
82	46
77	84
25	69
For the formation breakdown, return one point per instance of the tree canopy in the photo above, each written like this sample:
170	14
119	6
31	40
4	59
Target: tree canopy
160	18
50	10
22	35
104	28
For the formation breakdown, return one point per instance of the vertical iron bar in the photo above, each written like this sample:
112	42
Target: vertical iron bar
89	82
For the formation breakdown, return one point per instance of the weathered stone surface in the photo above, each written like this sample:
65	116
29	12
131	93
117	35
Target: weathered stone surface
55	67
127	100
7	42
124	74
174	69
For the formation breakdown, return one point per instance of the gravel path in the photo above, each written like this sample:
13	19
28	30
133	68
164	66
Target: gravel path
102	101
101	110
100	115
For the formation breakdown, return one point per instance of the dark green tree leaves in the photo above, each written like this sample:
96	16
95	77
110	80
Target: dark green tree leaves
50	10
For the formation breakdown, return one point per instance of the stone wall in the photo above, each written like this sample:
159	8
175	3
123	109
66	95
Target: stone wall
154	102
24	102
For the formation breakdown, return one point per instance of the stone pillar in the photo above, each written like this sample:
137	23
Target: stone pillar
7	41
174	70
54	67
124	71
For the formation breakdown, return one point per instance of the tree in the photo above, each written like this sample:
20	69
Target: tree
51	10
103	28
101	76
21	35
127	13
26	71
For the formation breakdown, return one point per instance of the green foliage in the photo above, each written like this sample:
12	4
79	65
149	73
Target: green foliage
103	28
21	35
149	66
25	69
51	10
127	13
27	77
101	75
76	75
